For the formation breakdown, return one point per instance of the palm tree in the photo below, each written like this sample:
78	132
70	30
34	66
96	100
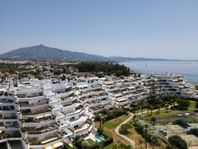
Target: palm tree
151	108
166	106
102	120
158	109
142	104
78	141
145	132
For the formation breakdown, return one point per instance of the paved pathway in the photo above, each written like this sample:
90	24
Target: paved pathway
132	142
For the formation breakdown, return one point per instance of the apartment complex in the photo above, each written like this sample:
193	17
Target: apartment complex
44	113
175	85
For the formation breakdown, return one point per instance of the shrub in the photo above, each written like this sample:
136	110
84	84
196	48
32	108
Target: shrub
197	104
182	104
177	141
153	119
107	141
78	141
124	129
100	131
147	131
104	67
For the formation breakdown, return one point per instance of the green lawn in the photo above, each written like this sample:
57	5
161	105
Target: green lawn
91	142
192	105
170	113
109	128
115	122
111	146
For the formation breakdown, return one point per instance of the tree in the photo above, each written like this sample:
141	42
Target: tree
142	104
197	104
151	108
178	142
167	107
124	129
84	144
102	119
106	68
153	119
182	104
78	142
100	131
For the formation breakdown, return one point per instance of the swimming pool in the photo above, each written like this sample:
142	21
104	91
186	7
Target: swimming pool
97	138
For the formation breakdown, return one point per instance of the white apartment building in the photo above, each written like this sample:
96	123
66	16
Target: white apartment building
47	112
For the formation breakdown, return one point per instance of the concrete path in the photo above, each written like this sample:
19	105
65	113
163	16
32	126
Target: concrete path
132	142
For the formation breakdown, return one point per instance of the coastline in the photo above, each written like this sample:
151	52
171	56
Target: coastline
188	69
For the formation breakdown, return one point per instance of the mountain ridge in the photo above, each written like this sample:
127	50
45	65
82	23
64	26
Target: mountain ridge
42	52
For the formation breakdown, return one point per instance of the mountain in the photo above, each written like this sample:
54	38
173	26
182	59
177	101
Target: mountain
42	52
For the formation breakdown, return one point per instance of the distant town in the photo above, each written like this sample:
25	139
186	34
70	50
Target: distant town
89	104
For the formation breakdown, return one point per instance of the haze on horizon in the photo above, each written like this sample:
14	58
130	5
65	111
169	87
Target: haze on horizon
132	28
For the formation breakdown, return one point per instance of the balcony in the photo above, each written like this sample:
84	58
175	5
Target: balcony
85	129
33	106
34	130
78	121
31	98
42	141
66	94
40	114
38	122
76	113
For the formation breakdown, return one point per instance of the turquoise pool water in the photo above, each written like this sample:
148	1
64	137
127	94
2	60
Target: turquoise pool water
98	138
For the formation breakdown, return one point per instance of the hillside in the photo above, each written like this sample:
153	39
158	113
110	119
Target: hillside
45	53
42	52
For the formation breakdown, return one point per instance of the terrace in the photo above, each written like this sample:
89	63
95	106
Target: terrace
40	111
44	129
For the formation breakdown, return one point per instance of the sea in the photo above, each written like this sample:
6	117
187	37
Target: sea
189	69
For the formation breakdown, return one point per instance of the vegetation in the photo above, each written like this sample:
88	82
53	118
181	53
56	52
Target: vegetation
109	129
67	146
177	142
78	141
196	104
108	115
182	104
124	129
3	134
118	146
147	131
189	120
13	68
107	68
100	131
90	142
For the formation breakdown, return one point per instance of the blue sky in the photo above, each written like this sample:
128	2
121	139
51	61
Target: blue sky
135	28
